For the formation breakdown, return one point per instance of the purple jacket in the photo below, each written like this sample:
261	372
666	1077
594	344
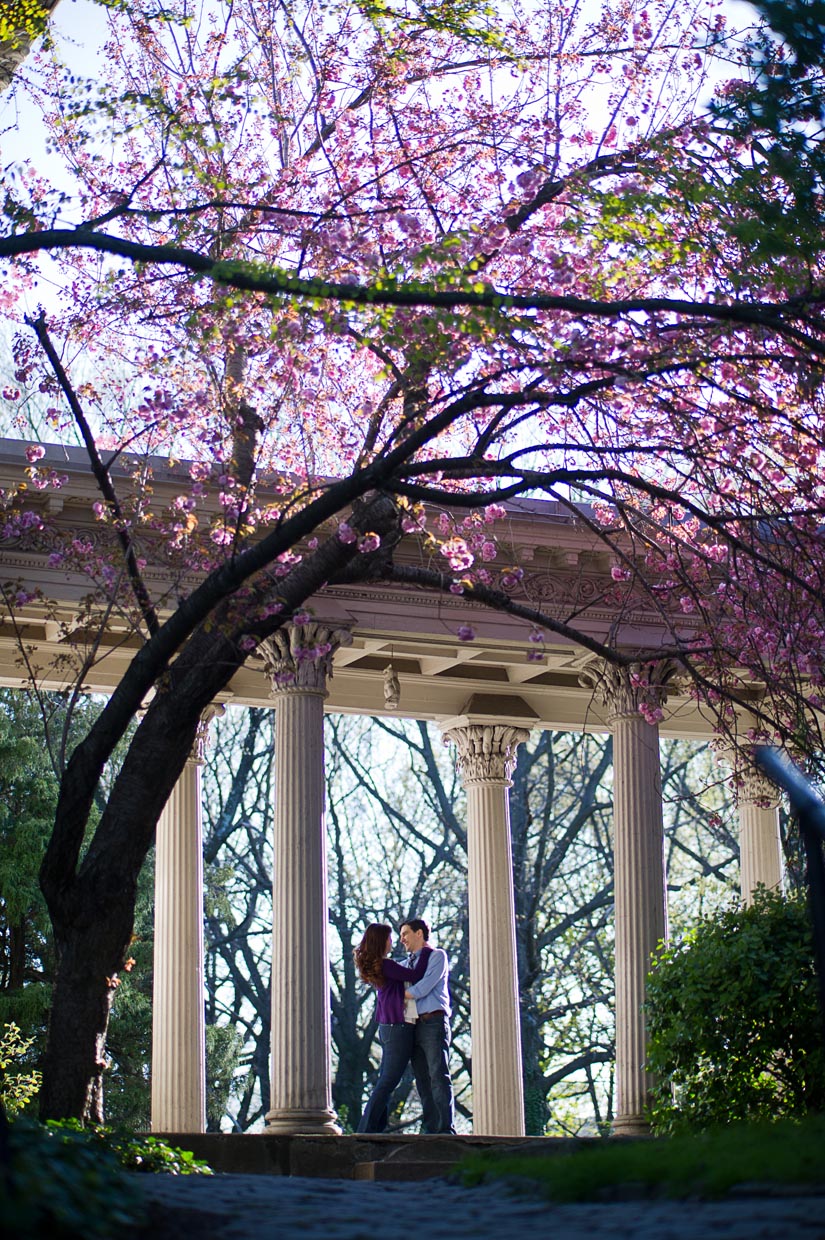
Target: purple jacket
389	1007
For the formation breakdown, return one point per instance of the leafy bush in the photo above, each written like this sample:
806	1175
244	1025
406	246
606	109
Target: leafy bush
734	1020
17	1088
135	1153
66	1182
61	1185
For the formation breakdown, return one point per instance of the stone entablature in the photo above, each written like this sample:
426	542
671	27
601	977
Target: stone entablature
565	568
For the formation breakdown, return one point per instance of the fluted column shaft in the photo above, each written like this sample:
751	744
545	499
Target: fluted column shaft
633	698
640	895
486	758
299	659
760	850
178	1036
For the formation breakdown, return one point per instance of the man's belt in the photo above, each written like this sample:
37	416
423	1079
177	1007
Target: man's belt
431	1015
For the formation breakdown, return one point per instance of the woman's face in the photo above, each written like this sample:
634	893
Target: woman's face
388	948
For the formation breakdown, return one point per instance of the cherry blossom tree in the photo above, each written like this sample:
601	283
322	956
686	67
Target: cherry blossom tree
22	22
371	275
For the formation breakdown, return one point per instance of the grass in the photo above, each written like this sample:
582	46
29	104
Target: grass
687	1165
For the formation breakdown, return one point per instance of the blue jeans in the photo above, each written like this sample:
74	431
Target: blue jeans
431	1065
396	1052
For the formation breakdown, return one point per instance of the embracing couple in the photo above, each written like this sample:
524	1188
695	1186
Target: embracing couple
413	1011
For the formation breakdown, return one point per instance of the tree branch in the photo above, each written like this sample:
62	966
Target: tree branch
100	472
260	278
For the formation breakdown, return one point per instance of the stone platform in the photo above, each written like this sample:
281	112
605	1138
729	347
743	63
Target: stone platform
368	1157
273	1207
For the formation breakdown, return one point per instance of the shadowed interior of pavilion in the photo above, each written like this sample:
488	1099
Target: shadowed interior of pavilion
486	695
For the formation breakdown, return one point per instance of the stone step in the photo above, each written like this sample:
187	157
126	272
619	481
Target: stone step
373	1157
390	1169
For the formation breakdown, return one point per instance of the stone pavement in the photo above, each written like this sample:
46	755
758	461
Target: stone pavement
260	1207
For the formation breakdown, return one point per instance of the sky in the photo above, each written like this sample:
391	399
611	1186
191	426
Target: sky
80	29
77	23
82	24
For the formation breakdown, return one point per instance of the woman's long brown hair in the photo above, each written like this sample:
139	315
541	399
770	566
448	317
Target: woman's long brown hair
370	952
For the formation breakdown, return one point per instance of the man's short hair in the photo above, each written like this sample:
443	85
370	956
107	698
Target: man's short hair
416	924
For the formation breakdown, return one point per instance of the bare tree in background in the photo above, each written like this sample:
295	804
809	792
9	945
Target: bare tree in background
397	847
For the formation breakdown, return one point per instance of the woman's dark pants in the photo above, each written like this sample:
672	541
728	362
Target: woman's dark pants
396	1051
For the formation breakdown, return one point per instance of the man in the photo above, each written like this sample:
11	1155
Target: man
431	1052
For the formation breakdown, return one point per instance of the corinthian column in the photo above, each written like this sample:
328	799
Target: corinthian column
178	1037
757	804
299	659
760	851
486	759
633	699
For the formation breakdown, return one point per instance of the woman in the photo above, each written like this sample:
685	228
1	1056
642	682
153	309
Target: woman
394	1033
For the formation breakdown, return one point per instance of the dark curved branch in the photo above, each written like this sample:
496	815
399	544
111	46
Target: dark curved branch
86	763
100	472
254	278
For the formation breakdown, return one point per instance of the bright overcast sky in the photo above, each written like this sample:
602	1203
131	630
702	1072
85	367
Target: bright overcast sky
81	24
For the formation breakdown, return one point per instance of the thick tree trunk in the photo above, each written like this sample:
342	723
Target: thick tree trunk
92	905
75	1059
93	916
93	913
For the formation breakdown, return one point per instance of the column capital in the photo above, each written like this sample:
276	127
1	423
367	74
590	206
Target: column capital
750	785
298	657
755	788
486	752
630	691
215	710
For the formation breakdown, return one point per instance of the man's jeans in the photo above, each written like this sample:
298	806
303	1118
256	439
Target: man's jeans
431	1064
396	1051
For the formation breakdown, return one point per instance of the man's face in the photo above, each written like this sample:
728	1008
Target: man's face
413	940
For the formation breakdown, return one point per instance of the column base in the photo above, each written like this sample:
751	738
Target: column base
166	1122
505	1131
630	1126
295	1121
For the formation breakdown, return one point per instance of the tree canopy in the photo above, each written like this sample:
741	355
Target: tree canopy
459	269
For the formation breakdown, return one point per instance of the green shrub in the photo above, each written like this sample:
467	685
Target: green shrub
17	1087
135	1153
63	1186
734	1020
66	1182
